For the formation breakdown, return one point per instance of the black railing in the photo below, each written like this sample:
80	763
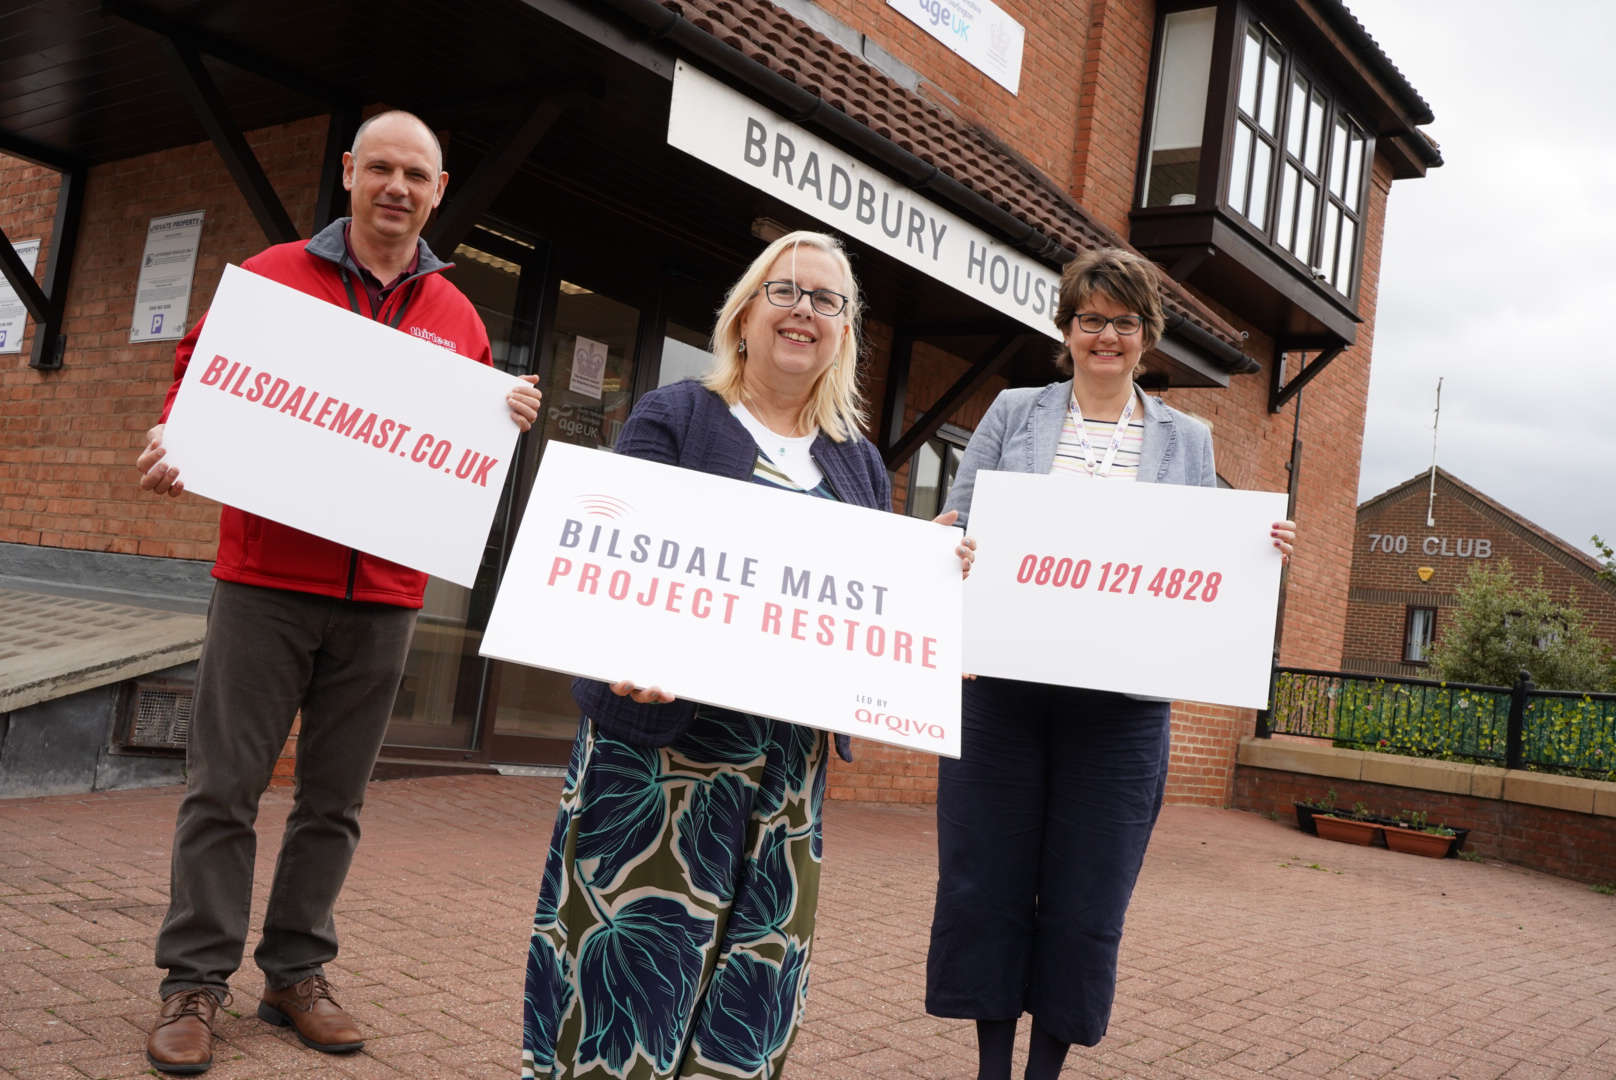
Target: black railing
1517	727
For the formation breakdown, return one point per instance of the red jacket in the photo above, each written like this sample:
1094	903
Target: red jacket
256	551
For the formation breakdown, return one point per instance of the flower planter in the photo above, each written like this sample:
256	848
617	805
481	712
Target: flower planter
1347	830
1304	817
1414	842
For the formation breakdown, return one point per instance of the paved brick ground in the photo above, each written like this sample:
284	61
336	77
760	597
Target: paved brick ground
1252	950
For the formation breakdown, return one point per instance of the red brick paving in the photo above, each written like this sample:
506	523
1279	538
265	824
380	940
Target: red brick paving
1252	950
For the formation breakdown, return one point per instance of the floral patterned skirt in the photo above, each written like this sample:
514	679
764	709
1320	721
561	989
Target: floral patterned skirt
676	913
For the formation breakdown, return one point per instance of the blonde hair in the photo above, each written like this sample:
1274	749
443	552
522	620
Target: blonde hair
835	405
1129	279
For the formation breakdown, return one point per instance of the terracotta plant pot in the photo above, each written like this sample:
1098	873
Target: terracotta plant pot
1347	830
1415	842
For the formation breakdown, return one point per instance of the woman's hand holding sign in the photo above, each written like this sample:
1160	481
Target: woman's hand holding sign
646	695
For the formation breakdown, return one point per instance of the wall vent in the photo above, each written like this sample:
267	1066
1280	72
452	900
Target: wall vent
157	715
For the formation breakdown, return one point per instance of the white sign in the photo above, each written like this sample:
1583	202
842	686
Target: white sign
163	292
588	367
305	413
1153	589
13	315
739	595
978	31
736	135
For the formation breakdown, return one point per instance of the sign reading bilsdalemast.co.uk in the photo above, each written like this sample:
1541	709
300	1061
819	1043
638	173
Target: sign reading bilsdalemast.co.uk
731	132
738	595
310	415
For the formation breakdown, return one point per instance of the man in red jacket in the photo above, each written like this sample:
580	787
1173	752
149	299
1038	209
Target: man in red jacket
301	624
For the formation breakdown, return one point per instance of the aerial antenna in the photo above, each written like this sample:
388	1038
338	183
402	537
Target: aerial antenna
1430	500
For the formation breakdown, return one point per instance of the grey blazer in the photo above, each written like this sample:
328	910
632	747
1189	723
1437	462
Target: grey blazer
1022	429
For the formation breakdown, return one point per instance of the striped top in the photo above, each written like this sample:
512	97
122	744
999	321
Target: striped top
765	472
1069	453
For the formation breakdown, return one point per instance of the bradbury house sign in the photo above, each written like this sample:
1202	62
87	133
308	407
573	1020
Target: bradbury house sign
735	134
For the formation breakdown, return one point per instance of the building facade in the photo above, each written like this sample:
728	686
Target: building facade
1249	148
1413	548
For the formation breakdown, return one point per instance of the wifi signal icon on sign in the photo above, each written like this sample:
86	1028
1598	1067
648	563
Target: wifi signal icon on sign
606	506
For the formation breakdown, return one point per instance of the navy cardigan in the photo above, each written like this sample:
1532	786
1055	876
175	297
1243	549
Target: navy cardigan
688	425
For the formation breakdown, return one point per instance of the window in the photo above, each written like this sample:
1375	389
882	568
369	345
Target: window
1253	171
1417	635
1174	159
932	471
1314	211
1256	126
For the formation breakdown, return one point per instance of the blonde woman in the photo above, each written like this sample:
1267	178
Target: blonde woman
676	915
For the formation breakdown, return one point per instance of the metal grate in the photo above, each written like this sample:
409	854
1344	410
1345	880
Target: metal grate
159	717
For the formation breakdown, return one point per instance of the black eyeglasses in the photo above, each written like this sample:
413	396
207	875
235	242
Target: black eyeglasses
787	293
1091	323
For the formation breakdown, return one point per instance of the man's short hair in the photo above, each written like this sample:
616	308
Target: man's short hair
364	127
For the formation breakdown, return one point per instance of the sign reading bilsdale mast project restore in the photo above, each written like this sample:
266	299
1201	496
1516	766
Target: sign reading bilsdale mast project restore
307	414
731	132
727	592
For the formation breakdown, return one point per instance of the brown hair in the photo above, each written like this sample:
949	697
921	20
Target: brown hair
1131	280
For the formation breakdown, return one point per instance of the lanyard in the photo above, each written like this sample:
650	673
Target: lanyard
1104	467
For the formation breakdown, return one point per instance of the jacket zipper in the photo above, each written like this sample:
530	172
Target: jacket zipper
376	316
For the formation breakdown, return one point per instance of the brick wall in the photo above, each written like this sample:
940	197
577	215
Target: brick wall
1039	122
71	437
1111	109
1562	842
1386	583
27	207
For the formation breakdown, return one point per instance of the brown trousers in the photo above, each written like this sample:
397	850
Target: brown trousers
268	654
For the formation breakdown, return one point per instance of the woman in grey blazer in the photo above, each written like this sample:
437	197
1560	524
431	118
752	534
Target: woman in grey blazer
1042	822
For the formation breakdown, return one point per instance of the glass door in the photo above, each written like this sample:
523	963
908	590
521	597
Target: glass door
592	342
440	698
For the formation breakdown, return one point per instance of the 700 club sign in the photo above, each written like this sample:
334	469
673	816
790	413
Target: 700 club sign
1455	547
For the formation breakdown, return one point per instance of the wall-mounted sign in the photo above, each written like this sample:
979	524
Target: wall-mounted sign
735	134
163	293
1453	547
13	315
588	367
978	31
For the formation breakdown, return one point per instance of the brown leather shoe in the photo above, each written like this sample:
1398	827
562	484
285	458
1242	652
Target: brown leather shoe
312	1012
182	1041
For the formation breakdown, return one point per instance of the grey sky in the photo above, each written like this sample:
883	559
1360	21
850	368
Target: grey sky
1498	272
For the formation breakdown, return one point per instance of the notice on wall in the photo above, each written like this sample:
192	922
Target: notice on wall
736	135
1152	589
731	593
13	315
588	367
977	31
307	414
163	291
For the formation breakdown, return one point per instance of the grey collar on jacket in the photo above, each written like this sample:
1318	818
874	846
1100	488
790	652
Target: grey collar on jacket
1049	416
331	244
